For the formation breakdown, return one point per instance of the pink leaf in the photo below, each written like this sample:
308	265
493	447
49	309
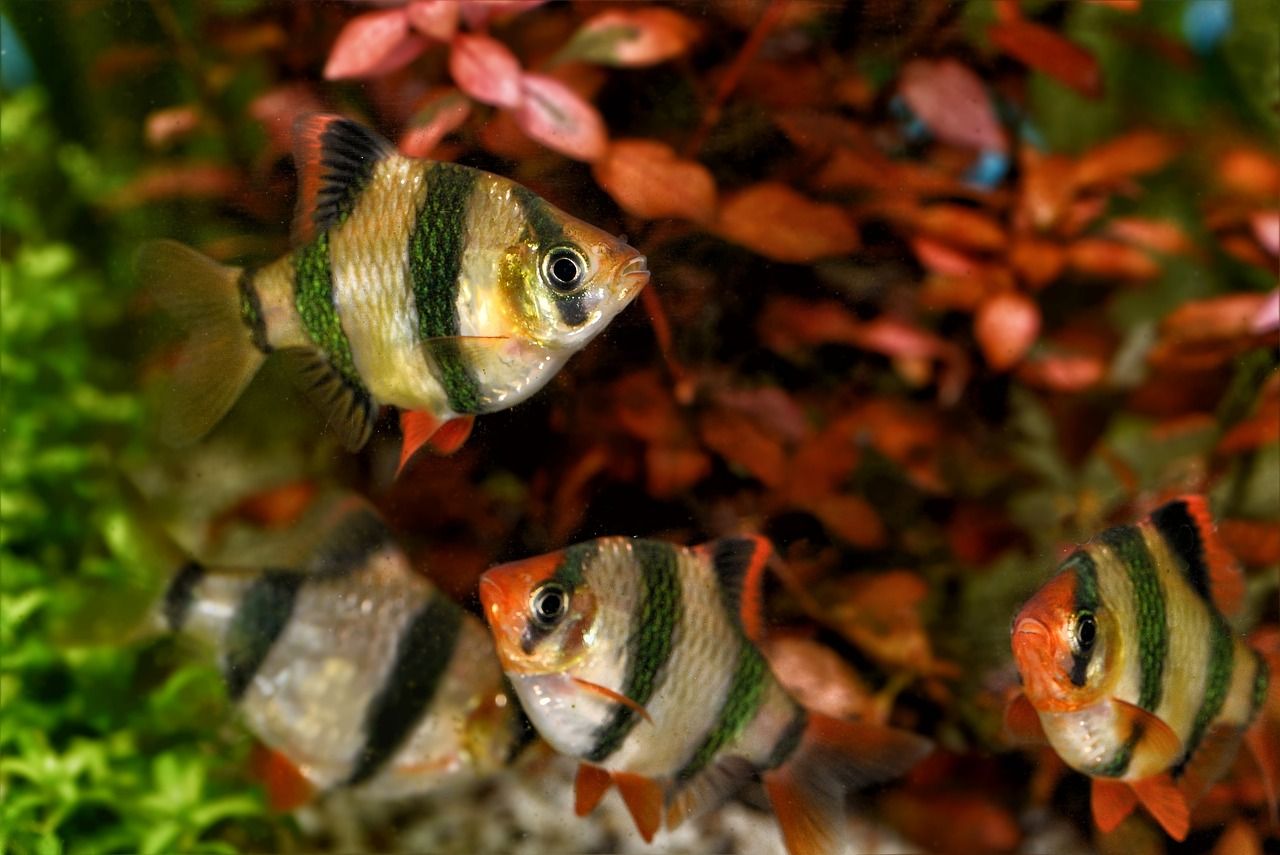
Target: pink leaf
278	108
1266	228
1006	326
486	70
441	114
165	126
373	44
952	101
637	36
437	19
650	181
1268	318
556	116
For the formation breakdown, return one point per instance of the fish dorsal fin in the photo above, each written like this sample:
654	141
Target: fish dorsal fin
350	534
739	564
643	798
1153	734
589	788
335	158
347	409
1187	526
1110	801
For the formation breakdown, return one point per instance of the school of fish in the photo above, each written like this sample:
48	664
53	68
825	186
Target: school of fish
448	292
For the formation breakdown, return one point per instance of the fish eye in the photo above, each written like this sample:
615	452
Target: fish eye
564	269
549	603
1086	631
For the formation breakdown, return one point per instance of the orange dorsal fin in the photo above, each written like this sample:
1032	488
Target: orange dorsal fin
1022	722
1164	801
616	697
287	788
589	788
1187	527
1154	736
1111	801
334	158
643	797
739	564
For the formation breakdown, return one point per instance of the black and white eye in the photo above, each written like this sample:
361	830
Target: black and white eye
564	269
549	603
1086	632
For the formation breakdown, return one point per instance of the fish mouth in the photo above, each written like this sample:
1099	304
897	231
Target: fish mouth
634	275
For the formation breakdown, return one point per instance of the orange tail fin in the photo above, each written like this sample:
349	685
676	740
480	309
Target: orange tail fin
807	792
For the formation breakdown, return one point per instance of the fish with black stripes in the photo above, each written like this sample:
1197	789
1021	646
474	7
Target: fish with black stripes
639	658
352	669
1132	673
433	287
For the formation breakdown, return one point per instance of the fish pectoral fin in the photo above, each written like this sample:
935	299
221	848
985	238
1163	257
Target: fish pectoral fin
1022	722
334	158
348	409
287	788
420	428
589	788
1155	738
477	352
616	697
1164	801
643	798
1110	801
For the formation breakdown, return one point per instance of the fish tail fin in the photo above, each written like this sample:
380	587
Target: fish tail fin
834	756
217	357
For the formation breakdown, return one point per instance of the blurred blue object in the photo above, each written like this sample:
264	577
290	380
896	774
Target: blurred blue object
914	130
988	170
16	70
1205	23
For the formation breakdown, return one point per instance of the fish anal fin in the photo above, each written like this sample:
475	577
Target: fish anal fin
643	798
1164	801
616	697
334	158
348	409
739	564
1187	526
1211	760
1022	722
589	788
287	788
1156	739
1110	801
810	825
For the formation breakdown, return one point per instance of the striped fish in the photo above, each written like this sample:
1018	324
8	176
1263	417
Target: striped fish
353	668
1131	671
634	656
436	288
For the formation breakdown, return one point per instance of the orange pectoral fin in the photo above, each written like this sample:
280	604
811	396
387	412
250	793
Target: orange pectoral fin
1111	801
1163	800
616	697
1022	722
287	788
1157	739
589	788
643	797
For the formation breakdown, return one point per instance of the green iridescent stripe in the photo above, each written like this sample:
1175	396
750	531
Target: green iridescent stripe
1261	682
1119	763
651	643
313	296
1217	682
261	617
569	573
746	691
1130	548
435	264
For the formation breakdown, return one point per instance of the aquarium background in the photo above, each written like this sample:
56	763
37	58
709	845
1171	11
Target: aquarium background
939	291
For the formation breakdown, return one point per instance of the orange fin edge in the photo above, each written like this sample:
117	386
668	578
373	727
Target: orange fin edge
1164	801
743	576
616	697
1226	580
589	788
1022	722
643	798
286	787
1110	801
312	134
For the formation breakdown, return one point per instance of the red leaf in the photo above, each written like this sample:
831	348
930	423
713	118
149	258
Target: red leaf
818	678
1266	228
1109	259
1037	262
1218	318
740	441
441	114
1044	50
1006	326
278	108
437	19
1122	158
779	223
478	12
556	116
631	37
851	518
672	469
953	102
373	44
485	69
1267	320
1254	542
650	181
1067	372
166	126
1155	235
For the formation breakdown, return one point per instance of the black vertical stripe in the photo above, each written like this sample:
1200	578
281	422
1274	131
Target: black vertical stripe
359	535
731	559
180	594
789	740
261	617
423	654
1178	528
251	309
